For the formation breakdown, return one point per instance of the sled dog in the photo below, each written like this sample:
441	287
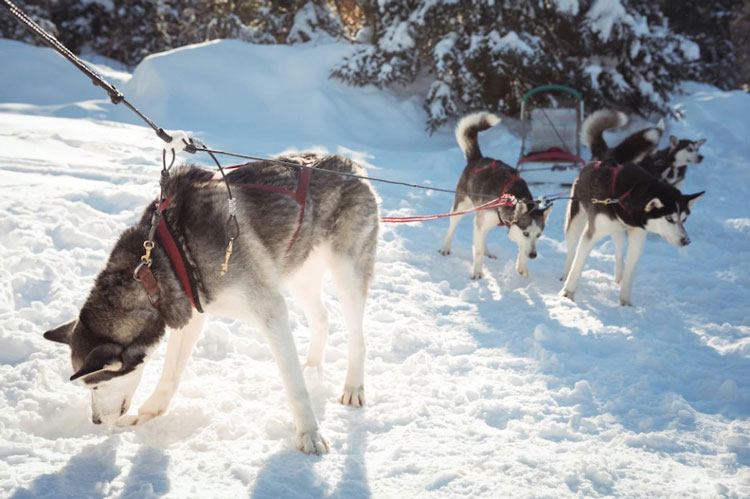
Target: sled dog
668	164
634	148
294	223
609	199
484	179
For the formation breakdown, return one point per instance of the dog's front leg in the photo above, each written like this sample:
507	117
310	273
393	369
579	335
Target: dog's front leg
522	264
618	238
589	237
481	227
179	348
274	320
636	239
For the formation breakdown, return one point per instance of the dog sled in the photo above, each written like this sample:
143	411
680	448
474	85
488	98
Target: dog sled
551	119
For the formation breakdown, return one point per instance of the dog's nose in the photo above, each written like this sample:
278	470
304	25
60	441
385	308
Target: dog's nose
700	158
685	241
532	255
96	420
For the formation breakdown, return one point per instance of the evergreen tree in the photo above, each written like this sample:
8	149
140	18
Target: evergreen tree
485	55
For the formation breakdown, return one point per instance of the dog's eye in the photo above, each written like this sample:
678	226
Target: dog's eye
670	220
539	235
526	233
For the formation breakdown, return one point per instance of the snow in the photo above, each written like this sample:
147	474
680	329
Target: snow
604	15
496	388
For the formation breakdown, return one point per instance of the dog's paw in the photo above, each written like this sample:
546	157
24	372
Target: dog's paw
353	396
135	420
312	442
313	369
490	255
625	302
570	295
523	271
444	251
477	275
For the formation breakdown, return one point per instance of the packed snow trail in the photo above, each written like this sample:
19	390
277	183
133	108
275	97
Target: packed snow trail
494	388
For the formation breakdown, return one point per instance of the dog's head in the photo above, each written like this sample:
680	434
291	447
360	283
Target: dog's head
667	213
685	151
526	223
110	369
118	328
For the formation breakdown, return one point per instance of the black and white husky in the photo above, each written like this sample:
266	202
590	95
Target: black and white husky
668	164
286	237
484	179
609	199
635	148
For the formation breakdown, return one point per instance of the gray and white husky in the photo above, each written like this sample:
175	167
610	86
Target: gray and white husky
122	322
609	199
484	179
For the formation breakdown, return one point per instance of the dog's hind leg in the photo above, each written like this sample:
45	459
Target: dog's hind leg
273	319
575	222
636	238
462	205
305	289
618	238
179	347
350	279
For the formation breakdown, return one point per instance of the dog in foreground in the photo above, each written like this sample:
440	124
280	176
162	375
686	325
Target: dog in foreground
484	179
284	239
610	199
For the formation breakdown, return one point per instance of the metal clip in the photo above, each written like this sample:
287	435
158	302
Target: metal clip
605	202
225	265
146	258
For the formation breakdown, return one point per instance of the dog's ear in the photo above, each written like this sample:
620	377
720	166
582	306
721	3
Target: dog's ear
661	126
653	205
61	334
546	210
692	198
673	141
700	143
107	357
521	209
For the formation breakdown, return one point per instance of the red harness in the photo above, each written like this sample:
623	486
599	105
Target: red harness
183	270
512	179
299	195
615	171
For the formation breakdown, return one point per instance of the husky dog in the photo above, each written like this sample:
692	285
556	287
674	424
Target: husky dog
611	200
484	179
670	164
636	147
284	238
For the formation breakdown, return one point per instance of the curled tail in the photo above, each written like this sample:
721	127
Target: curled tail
467	130
639	145
594	126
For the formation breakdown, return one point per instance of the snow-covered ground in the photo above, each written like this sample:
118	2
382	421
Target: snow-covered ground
494	388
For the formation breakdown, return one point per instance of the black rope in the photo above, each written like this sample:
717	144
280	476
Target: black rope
114	94
117	97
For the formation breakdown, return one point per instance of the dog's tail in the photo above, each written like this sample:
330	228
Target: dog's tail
594	126
639	145
467	130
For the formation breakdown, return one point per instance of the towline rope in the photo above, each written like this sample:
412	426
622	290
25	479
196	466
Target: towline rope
193	145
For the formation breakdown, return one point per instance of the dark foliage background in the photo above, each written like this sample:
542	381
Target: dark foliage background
460	55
